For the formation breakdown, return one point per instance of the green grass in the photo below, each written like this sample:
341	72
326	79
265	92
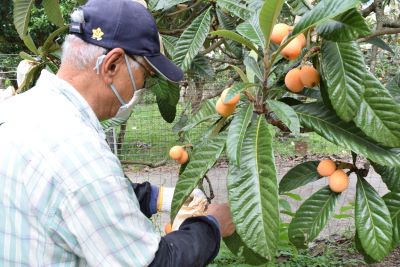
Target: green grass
149	137
332	254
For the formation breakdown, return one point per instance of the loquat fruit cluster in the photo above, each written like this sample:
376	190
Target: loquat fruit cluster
179	154
298	78
337	179
293	49
226	108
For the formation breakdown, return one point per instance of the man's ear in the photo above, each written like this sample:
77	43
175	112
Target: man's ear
112	64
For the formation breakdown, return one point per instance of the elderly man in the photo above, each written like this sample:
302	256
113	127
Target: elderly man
64	198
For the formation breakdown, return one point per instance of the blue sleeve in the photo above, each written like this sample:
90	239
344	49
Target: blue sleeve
195	244
147	195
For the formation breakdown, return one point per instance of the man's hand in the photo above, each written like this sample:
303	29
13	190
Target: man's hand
223	215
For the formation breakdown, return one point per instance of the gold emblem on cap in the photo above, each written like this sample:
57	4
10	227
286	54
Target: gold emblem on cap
97	34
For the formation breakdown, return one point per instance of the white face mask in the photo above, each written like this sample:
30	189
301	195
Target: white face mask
125	110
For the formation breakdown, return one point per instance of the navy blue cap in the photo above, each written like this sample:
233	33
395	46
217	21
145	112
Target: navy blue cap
128	25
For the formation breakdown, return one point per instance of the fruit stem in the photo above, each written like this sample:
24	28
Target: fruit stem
313	50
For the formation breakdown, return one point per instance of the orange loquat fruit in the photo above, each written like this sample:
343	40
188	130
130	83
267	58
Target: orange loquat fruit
309	76
338	181
293	82
326	167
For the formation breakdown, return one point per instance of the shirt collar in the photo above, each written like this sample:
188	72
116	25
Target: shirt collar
54	83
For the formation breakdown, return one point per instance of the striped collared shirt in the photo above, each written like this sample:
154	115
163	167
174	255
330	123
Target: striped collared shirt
64	200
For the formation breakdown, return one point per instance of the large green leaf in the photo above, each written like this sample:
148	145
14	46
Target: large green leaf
323	11
241	73
299	175
45	49
390	176
166	4
344	69
379	114
235	37
392	201
236	133
253	191
251	30
202	159
169	43
239	248
317	117
167	96
225	20
235	8
28	41
286	114
373	222
22	13
380	43
201	67
360	249
252	64
267	18
312	217
53	12
191	40
237	88
394	87
345	27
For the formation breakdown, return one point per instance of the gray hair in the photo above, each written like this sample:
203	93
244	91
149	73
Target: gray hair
77	52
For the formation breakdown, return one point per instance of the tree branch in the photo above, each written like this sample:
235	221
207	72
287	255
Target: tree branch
379	33
212	47
368	10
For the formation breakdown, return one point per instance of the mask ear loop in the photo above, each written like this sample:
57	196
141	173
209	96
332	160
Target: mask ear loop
99	61
130	74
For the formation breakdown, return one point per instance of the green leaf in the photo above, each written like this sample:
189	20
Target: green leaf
202	159
373	222
50	40
293	196
323	11
30	44
390	176
311	217
53	12
253	191
380	43
394	87
167	96
392	201
251	30
169	43
344	69
236	37
26	56
320	119
241	73
191	40
267	18
379	114
236	133
345	27
237	88
22	13
166	4
239	248
299	175
286	114
167	111
252	64
360	249
235	8
225	20
201	67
